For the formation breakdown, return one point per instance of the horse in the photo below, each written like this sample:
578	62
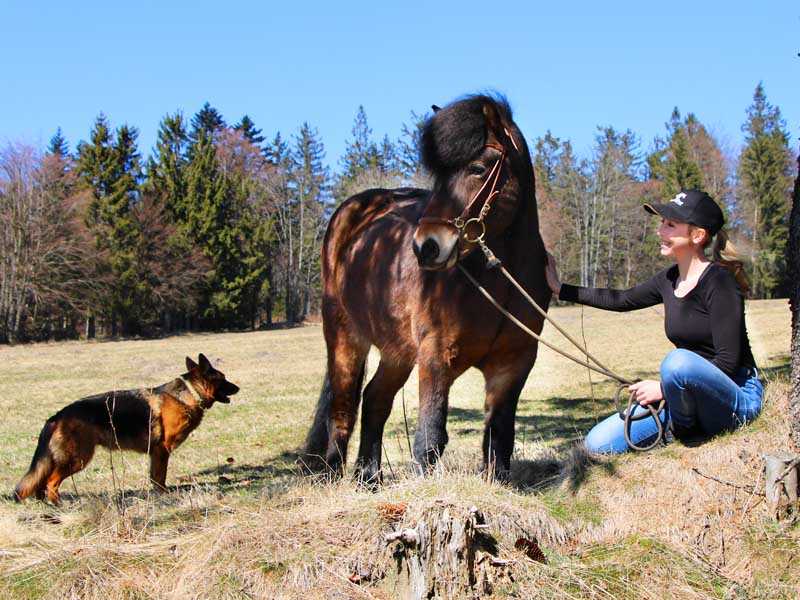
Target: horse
388	280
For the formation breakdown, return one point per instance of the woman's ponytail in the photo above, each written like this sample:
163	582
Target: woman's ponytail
723	252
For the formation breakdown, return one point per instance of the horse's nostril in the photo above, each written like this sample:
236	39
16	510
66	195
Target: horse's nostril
429	251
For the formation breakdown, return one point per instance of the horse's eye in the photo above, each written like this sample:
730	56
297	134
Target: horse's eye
476	169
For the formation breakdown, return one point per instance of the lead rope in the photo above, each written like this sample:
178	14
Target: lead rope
627	414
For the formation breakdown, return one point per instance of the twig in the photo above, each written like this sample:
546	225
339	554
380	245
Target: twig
405	421
746	488
388	462
788	469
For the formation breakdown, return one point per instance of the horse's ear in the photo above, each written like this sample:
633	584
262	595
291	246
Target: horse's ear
492	117
435	108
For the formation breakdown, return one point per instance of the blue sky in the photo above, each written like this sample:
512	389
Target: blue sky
564	66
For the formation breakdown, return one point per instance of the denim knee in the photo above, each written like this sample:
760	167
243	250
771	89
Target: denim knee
676	365
596	442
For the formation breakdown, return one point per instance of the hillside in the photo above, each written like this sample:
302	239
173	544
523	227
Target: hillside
241	522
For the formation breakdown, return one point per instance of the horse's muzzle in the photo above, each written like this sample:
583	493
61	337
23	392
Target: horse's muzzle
435	250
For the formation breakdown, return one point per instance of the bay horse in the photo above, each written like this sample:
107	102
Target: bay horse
388	280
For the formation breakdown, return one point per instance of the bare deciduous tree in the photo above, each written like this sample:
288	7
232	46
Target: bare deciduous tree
46	255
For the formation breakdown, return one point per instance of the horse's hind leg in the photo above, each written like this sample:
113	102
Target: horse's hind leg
326	445
378	398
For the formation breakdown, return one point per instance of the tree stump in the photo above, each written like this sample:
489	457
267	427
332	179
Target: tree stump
448	553
781	482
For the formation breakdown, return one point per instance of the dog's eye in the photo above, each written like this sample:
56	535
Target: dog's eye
476	168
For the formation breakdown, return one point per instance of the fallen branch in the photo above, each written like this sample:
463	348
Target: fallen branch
747	488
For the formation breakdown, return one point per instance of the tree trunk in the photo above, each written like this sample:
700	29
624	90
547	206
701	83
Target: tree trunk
90	328
793	262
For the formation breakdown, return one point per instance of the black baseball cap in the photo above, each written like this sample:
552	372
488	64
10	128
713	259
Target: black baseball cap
691	206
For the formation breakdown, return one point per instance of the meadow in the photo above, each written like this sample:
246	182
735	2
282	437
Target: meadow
241	522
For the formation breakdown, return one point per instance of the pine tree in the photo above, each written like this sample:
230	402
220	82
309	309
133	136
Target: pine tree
672	162
206	203
249	131
765	177
277	152
408	146
388	159
166	169
305	222
109	168
207	121
58	145
361	153
680	171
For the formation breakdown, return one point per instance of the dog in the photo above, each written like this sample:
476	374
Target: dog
152	421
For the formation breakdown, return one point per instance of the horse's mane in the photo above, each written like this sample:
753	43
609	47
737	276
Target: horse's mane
457	132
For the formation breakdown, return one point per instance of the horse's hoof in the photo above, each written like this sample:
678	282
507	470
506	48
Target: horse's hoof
368	479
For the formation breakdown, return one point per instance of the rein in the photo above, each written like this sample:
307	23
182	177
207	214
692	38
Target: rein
625	414
472	230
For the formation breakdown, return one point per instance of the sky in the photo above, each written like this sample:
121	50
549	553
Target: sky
565	66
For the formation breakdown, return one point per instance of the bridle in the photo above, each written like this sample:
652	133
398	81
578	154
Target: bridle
472	230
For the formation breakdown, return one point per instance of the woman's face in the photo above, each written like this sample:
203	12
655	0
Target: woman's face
678	239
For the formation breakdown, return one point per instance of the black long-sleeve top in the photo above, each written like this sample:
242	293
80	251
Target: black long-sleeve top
709	320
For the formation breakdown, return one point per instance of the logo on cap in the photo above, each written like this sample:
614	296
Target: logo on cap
679	199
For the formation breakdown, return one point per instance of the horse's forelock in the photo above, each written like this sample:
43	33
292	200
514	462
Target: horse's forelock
457	132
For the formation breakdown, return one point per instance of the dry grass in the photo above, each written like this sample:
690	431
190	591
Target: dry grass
631	527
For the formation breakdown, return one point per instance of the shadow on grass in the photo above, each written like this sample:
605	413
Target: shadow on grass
781	370
563	433
229	477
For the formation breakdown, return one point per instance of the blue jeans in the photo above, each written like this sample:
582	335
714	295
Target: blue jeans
698	394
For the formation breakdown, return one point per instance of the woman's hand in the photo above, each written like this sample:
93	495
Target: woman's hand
646	392
551	273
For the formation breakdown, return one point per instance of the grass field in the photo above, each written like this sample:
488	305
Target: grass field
241	523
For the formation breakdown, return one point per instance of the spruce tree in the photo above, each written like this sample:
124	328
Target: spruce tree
672	162
361	153
310	182
109	168
765	177
388	159
408	146
206	121
249	131
58	145
209	215
166	169
680	171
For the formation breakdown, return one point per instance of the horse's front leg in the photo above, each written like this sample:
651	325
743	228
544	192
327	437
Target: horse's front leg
435	379
505	377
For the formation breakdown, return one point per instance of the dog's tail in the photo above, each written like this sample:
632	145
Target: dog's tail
41	466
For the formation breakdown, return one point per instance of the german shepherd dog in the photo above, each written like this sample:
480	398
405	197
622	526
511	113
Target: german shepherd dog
152	421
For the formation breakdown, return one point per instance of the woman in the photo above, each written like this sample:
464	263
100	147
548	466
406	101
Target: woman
709	381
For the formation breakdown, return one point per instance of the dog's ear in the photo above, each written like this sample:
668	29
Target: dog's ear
205	365
435	108
190	365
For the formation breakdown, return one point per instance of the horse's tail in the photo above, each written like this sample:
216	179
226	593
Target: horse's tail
318	437
41	466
